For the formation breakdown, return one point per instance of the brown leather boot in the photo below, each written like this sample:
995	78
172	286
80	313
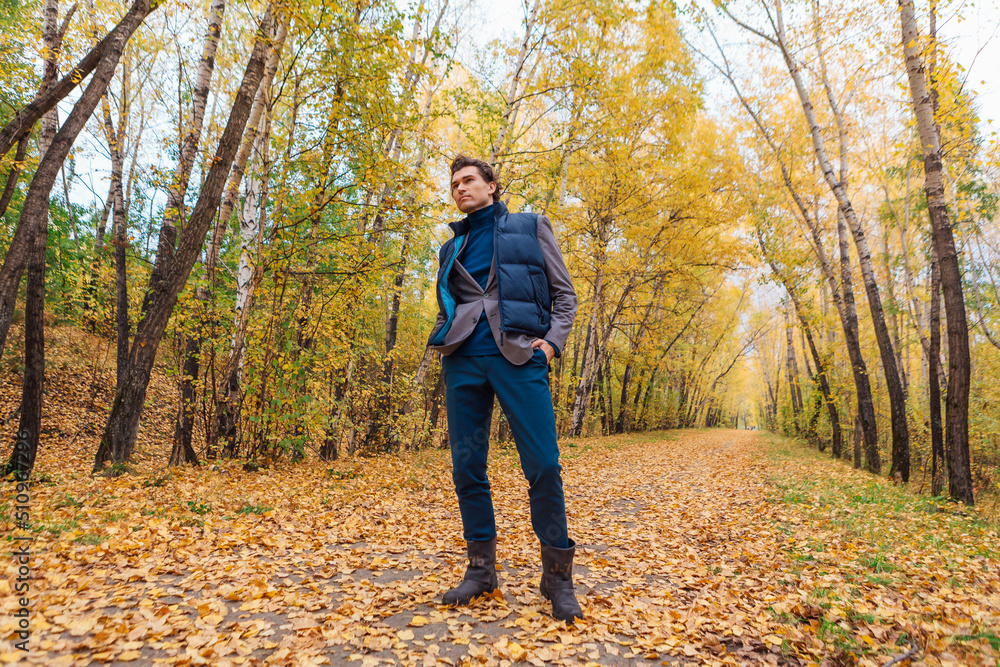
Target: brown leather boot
557	582
480	576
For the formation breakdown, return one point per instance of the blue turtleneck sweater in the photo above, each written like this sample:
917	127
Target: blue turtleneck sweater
477	259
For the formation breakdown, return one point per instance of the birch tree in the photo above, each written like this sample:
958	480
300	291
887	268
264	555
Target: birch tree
959	360
123	423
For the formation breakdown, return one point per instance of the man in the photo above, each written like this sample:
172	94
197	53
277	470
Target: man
506	306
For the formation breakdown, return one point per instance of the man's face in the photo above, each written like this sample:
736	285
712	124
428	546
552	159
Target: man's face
470	191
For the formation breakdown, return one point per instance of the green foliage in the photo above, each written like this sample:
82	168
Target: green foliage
200	509
19	32
254	509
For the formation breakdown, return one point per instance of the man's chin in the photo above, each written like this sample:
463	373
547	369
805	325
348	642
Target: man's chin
470	207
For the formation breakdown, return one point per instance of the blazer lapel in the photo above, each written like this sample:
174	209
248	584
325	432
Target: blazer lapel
493	272
465	275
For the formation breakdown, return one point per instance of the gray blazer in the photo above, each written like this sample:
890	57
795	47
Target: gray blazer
472	301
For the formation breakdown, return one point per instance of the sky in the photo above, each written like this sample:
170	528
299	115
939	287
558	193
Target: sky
976	41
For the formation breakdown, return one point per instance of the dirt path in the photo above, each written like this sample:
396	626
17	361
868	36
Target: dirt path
683	559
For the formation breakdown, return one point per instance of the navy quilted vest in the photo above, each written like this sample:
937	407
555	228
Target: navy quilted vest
523	288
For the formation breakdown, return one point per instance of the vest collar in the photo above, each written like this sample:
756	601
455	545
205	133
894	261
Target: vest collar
462	226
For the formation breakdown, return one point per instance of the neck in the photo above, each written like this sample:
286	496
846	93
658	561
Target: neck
481	216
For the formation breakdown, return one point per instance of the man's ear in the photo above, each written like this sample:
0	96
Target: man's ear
493	187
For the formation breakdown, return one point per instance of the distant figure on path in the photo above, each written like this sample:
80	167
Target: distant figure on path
506	306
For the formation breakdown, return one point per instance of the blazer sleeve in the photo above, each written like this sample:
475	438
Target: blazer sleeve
560	287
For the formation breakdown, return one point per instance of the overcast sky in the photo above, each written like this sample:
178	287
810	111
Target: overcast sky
977	48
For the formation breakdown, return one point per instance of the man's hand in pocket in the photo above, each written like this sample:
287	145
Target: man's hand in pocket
550	353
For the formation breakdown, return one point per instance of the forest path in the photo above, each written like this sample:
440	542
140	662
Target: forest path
696	547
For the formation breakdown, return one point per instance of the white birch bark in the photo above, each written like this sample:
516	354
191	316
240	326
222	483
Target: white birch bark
199	99
589	367
232	192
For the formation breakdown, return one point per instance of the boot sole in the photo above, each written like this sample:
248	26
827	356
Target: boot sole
462	603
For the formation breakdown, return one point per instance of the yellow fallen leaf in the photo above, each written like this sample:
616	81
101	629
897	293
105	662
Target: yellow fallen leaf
405	635
419	621
81	627
129	656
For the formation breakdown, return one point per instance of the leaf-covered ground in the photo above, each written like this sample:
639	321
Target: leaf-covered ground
701	547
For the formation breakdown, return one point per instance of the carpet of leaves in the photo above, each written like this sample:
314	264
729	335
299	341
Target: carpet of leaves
700	547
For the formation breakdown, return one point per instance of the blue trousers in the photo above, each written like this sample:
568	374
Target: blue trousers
471	382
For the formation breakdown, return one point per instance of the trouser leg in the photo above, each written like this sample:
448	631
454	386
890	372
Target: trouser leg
524	395
469	400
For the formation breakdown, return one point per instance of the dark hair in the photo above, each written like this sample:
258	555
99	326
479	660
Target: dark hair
485	170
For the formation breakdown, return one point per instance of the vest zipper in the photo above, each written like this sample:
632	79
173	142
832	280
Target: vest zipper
496	258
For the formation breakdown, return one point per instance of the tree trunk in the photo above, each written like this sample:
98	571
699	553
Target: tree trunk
116	140
52	43
792	373
897	344
33	380
646	394
913	303
622	423
805	357
183	449
934	386
15	171
959	361
227	407
437	401
609	395
601	396
225	417
866	406
386	411
173	211
418	381
824	383
232	191
32	386
581	397
123	424
897	396
329	451
858	436
121	285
